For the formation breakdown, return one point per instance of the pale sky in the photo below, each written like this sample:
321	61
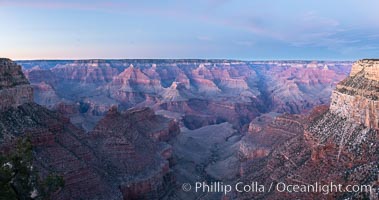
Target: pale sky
228	29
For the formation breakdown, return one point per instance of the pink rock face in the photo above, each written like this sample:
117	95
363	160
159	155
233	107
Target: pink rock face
232	91
297	89
92	71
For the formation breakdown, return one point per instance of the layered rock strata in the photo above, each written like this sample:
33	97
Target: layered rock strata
336	145
14	87
357	97
125	157
200	92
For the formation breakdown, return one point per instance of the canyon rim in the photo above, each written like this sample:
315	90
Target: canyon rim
189	100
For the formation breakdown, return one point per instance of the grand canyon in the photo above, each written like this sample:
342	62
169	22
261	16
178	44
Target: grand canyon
141	128
195	92
189	100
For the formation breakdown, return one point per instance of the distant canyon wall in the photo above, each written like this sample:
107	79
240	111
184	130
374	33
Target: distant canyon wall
197	92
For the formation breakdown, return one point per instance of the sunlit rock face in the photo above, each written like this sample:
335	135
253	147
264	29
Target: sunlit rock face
370	66
357	97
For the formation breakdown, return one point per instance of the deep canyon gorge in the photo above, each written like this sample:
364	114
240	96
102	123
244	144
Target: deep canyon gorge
140	128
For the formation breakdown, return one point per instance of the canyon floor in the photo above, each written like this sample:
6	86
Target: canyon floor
209	153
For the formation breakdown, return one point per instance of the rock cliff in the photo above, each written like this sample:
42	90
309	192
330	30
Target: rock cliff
133	151
14	87
337	144
370	66
357	97
126	156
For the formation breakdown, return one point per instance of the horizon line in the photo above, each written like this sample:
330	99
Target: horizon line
205	59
